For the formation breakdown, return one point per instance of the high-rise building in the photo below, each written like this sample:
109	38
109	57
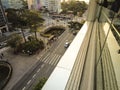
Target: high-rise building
51	5
34	4
30	4
12	3
54	6
3	21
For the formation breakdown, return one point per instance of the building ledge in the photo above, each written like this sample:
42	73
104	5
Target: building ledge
58	79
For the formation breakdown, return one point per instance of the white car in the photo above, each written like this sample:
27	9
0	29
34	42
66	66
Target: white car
67	44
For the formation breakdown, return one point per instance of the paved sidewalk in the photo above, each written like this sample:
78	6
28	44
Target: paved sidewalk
21	64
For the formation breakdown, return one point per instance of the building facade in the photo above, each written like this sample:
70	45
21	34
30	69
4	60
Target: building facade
12	4
54	6
51	5
3	20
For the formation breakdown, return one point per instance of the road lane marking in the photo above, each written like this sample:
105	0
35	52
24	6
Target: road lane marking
57	60
42	66
34	75
53	59
46	57
23	88
38	70
29	82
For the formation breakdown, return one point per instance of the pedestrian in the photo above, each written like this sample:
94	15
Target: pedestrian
1	57
2	54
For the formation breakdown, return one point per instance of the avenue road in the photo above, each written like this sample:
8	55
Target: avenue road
46	64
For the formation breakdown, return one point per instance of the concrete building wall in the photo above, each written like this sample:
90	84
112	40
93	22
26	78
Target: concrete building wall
54	5
92	10
97	11
12	3
51	5
30	4
3	21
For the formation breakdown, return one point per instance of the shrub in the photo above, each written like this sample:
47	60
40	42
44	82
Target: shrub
30	47
40	84
31	38
75	25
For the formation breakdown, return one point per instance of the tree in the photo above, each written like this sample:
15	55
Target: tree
25	18
24	3
15	41
75	6
31	46
17	18
34	21
75	25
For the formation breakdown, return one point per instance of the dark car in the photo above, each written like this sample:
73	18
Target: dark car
74	33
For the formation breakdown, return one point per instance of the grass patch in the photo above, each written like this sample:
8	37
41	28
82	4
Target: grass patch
40	84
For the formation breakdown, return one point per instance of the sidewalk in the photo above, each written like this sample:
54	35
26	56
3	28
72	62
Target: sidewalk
20	64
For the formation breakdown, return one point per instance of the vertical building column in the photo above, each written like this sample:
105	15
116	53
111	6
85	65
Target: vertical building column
96	11
93	10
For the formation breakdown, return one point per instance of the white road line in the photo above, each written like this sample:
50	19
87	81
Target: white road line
29	82
57	60
38	70
42	66
47	59
44	59
53	59
34	75
24	88
61	43
50	59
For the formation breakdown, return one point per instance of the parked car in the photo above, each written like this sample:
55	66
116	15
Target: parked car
3	44
74	33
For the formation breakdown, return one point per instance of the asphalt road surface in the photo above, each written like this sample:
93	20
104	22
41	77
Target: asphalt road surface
46	64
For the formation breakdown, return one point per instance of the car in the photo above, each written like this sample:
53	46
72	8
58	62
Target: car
74	33
66	45
3	44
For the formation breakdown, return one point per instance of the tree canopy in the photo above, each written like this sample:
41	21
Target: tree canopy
15	40
24	18
24	3
75	6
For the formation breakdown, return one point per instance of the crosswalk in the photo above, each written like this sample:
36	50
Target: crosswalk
51	58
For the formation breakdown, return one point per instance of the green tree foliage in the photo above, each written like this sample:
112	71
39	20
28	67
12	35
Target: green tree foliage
30	47
24	3
74	6
15	41
22	18
75	25
31	38
35	21
40	84
12	17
